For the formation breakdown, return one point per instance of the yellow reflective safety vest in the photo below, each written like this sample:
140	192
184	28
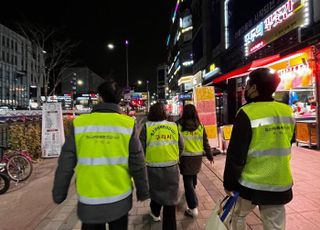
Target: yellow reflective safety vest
162	148
193	141
102	145
267	167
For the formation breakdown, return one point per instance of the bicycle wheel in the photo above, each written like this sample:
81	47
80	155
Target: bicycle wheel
4	183
19	168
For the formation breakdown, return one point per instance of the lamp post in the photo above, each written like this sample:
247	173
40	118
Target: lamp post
74	89
111	46
127	61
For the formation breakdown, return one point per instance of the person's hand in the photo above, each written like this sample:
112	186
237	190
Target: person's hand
229	193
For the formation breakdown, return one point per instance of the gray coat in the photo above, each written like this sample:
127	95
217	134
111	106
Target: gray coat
104	212
163	182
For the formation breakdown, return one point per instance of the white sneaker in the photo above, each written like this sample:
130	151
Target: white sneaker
192	212
155	218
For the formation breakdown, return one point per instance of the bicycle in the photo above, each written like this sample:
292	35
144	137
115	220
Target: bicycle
18	164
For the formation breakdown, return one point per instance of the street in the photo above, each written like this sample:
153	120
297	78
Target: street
29	204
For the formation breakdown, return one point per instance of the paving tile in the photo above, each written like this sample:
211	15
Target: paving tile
300	203
298	222
202	223
190	225
313	217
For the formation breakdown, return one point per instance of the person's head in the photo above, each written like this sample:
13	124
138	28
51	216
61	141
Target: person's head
157	112
261	82
110	92
190	113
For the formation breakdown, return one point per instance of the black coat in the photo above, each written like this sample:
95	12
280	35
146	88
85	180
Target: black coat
236	159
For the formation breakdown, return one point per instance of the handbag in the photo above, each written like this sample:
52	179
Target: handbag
220	218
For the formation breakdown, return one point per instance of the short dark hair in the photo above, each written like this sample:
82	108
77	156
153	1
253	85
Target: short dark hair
110	91
265	79
157	112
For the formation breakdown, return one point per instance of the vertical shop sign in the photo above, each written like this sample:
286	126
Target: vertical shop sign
204	99
52	130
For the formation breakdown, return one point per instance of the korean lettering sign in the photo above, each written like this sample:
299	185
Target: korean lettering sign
292	14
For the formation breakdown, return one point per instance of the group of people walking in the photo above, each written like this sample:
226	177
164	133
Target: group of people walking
108	155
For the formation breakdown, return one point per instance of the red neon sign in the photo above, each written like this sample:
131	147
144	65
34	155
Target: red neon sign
257	46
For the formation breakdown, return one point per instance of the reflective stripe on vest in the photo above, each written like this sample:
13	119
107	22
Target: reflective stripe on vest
267	167
263	187
271	120
104	200
190	154
102	161
159	143
162	144
102	147
270	152
193	141
99	129
162	164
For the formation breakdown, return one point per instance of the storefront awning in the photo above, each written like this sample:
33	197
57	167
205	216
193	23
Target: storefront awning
247	68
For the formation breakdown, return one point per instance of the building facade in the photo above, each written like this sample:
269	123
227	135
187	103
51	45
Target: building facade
21	68
162	82
82	80
180	55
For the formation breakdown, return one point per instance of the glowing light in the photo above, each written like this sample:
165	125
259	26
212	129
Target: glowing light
110	46
187	63
187	29
177	70
175	11
185	79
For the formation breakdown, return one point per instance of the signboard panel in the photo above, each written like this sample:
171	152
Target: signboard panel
287	17
204	99
52	130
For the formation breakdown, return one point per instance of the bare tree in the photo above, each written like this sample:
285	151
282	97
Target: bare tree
57	53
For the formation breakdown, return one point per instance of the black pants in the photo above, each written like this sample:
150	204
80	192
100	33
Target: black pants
119	224
190	182
169	215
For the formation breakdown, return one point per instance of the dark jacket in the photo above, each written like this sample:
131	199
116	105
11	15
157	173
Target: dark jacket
236	160
163	182
104	212
192	165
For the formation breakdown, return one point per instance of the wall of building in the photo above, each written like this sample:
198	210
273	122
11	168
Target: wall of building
20	67
87	80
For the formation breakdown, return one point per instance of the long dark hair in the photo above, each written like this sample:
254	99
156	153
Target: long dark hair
157	112
189	114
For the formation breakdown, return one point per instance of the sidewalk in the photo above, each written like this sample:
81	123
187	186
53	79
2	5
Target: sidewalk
303	213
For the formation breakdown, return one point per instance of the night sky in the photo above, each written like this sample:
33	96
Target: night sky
96	23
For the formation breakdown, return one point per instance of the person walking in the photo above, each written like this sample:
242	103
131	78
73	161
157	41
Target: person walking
163	145
259	153
195	144
105	152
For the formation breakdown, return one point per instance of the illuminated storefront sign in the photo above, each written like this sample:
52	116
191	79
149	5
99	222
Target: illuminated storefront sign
290	15
295	70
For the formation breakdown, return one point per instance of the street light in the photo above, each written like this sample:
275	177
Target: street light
139	82
110	46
